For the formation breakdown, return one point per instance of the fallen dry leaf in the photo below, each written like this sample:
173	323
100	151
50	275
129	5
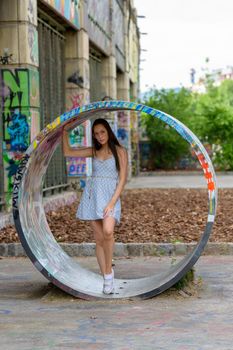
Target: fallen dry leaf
148	215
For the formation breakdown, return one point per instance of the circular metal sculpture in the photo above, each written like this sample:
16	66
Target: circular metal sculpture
34	232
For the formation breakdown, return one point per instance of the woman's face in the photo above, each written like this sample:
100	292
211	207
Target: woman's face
100	134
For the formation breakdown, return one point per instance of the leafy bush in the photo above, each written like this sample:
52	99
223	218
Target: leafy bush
167	147
208	115
214	122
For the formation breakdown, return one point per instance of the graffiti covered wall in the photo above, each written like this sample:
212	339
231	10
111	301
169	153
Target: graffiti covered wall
118	30
33	44
134	142
76	166
99	24
19	94
67	8
123	128
133	47
78	137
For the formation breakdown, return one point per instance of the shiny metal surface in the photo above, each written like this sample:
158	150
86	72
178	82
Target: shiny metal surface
35	234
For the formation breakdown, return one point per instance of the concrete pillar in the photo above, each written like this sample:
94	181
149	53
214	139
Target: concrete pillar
127	87
134	132
77	69
108	81
124	137
123	93
19	77
78	93
109	76
123	86
134	91
77	64
109	88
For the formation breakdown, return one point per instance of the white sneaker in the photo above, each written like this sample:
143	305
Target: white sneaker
108	287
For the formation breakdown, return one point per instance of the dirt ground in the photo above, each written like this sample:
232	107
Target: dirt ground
148	215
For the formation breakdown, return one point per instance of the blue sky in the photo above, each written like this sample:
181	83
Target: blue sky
181	34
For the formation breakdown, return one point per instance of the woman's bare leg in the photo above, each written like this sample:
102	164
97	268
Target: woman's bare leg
108	243
97	227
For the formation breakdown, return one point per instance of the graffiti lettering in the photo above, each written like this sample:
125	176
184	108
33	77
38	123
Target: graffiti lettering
76	79
78	136
18	178
76	100
18	130
16	87
31	14
15	100
69	9
11	161
76	166
6	59
33	44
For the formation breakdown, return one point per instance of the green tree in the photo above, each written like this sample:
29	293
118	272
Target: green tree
167	147
213	122
208	115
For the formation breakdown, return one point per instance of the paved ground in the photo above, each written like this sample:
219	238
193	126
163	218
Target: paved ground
168	180
34	318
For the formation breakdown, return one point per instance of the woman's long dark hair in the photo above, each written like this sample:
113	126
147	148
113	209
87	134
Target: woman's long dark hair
112	140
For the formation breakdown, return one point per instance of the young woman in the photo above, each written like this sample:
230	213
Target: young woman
100	201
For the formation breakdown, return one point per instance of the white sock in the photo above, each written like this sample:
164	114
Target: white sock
108	276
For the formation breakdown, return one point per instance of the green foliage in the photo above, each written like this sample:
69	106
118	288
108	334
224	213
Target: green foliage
185	280
208	115
167	147
214	122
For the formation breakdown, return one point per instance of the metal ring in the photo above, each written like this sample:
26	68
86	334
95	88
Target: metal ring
37	239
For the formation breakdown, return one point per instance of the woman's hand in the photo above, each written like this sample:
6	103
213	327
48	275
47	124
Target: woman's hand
74	152
109	209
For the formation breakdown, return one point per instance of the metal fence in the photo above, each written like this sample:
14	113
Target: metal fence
52	96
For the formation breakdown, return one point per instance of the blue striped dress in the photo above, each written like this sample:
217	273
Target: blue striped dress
99	190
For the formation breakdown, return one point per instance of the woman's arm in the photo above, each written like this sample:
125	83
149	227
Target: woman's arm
123	160
74	152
